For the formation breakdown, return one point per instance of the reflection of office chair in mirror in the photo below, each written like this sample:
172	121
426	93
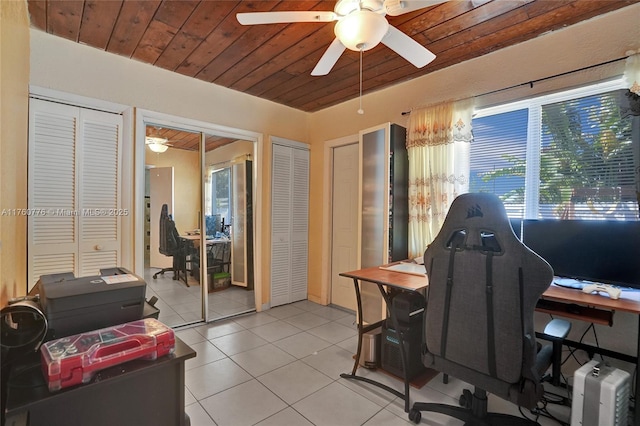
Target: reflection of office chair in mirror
483	288
170	244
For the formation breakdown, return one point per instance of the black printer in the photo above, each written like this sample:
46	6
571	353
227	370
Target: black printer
75	305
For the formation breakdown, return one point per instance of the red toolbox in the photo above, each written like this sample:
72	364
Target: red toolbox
75	359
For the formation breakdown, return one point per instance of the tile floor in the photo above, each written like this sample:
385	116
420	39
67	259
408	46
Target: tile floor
180	304
282	367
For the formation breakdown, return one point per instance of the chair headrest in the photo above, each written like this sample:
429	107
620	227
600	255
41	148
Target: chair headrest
477	219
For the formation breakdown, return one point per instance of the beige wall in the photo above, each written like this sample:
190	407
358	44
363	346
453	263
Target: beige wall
228	152
14	116
63	65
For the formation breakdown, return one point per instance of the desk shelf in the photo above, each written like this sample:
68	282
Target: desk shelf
574	311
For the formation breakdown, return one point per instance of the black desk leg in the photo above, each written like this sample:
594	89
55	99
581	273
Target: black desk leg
360	327
353	375
403	358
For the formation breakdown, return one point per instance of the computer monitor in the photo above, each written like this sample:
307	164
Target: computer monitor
213	224
592	250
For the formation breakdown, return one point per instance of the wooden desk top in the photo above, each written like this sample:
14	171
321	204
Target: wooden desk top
389	278
629	301
195	240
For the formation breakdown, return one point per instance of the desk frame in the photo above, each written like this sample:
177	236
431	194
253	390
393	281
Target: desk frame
628	302
385	280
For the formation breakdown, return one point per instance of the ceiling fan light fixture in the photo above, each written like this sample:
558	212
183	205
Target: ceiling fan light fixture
361	30
156	144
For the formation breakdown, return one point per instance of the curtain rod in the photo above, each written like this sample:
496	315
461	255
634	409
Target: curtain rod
220	164
532	82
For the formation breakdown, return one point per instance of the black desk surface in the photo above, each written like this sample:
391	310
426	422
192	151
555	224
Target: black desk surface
27	385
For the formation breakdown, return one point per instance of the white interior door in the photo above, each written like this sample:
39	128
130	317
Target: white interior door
289	224
344	232
160	192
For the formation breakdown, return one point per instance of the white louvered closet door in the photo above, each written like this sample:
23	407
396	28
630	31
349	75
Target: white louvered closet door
53	199
299	225
74	158
289	224
98	189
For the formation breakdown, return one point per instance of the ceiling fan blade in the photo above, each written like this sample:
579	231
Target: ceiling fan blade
255	18
398	7
329	58
407	47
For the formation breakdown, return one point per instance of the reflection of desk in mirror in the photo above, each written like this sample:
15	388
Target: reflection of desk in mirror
218	255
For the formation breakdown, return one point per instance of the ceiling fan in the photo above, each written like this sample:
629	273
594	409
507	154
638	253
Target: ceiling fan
155	141
361	25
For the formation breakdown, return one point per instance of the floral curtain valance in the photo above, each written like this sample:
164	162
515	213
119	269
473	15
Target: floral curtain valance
430	126
440	124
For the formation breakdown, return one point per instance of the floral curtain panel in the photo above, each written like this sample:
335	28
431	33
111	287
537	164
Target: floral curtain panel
438	147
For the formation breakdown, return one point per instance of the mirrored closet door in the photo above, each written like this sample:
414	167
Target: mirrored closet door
230	236
199	222
172	228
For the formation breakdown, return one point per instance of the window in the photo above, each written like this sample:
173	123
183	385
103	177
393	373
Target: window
567	155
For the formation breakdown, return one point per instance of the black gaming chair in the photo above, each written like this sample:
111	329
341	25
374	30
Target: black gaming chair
170	244
483	288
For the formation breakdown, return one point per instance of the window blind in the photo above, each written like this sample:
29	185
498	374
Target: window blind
586	160
498	158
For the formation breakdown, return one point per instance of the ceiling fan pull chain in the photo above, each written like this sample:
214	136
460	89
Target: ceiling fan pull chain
360	110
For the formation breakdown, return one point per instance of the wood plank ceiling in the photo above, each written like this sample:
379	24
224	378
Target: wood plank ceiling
190	141
203	39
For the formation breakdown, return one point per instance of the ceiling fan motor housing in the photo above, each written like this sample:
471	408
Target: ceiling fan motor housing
345	7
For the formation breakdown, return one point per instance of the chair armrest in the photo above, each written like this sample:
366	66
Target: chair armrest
557	328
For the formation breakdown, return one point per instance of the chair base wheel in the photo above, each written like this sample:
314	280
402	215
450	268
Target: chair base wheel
415	416
466	399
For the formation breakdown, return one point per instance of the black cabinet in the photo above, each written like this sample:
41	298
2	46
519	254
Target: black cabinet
138	392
